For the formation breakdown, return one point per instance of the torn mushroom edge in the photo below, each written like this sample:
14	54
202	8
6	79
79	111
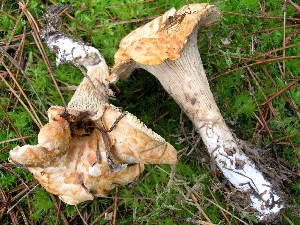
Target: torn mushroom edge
124	67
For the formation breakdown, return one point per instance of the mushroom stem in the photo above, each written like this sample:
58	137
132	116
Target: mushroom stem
167	48
94	89
185	80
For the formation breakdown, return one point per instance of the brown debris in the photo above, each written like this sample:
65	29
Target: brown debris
239	164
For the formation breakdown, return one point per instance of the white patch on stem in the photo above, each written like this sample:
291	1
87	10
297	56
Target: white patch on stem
94	90
72	51
246	178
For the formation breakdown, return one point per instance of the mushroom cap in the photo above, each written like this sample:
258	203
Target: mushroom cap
76	177
53	138
162	38
66	164
55	135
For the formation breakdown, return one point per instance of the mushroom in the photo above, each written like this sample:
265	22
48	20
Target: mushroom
167	48
66	164
90	146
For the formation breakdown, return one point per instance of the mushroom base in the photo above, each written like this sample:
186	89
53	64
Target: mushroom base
227	152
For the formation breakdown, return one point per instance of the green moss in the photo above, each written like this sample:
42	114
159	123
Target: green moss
42	204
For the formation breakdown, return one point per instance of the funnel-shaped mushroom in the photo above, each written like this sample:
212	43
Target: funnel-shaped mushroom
91	146
167	48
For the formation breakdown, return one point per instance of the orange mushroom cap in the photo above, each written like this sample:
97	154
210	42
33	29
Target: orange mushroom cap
162	38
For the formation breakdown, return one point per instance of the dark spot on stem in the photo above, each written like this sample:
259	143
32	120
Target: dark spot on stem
239	164
193	101
230	151
55	49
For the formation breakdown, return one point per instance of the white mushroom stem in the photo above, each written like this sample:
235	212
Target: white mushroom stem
185	80
94	89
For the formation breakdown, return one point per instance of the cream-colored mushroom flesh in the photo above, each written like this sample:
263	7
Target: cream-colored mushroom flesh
167	48
67	165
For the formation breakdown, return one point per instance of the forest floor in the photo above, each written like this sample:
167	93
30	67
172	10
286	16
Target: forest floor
252	59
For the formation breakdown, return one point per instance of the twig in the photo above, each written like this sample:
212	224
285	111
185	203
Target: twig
115	207
22	186
65	221
261	17
74	19
20	49
287	136
15	139
291	36
290	85
39	44
23	214
288	220
212	202
136	183
226	211
139	20
11	214
16	64
102	214
8	15
130	4
272	29
254	58
256	63
83	220
4	148
258	122
21	101
105	138
147	207
262	120
159	118
12	34
297	7
201	211
290	101
269	103
284	34
24	196
9	170
225	216
23	93
12	124
194	145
